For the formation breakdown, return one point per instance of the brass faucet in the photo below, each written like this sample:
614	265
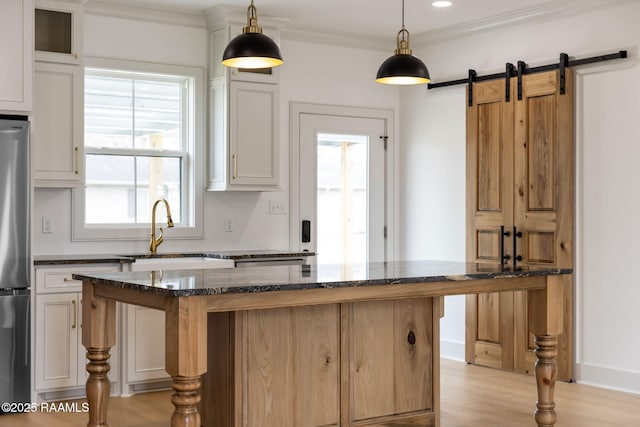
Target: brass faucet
155	242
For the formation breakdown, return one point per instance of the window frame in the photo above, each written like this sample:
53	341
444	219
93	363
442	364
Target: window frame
193	162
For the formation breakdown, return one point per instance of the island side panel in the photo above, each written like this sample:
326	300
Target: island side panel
275	367
391	355
217	404
291	359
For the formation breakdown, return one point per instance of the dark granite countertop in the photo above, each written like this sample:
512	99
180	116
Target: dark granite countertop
297	277
80	259
129	258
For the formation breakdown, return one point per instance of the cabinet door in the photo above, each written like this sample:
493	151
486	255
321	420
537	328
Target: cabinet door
57	340
543	198
145	344
57	130
16	51
489	317
253	140
390	362
58	31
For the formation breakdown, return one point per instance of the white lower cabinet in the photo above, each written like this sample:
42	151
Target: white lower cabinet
143	349
137	361
57	341
60	362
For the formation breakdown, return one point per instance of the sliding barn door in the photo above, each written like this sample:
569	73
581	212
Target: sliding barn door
489	317
519	209
543	199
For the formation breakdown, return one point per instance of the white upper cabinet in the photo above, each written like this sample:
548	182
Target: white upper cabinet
16	51
57	132
244	110
244	152
57	128
58	31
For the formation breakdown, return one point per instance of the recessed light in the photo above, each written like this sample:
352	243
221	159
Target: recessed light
441	3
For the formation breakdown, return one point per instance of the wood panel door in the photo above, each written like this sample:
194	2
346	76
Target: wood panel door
519	176
543	199
490	128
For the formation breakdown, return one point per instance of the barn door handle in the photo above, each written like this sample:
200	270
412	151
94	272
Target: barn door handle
503	234
516	235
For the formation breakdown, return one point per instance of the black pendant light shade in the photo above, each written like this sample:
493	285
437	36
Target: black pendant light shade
252	49
403	68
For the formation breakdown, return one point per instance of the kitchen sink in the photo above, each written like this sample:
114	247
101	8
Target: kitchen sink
179	263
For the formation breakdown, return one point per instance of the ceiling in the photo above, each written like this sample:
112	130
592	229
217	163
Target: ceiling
378	19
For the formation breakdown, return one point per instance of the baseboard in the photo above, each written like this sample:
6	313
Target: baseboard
452	350
614	379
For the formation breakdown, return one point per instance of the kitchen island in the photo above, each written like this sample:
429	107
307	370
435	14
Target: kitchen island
349	345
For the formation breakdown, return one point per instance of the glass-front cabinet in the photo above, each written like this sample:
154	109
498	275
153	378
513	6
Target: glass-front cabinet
58	31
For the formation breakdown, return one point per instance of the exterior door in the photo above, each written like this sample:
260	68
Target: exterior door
342	180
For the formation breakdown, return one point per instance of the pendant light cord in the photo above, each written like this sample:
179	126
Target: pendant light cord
403	14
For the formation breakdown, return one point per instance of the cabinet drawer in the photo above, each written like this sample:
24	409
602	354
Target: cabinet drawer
59	279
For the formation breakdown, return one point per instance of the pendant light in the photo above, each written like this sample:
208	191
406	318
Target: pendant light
403	68
252	49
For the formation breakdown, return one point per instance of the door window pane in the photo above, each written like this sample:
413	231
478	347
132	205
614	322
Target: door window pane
342	198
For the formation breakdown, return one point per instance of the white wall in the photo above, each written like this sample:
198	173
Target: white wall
309	75
608	176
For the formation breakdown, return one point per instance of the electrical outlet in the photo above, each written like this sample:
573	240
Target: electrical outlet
47	228
277	207
228	224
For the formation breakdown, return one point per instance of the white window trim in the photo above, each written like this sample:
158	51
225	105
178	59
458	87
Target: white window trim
196	139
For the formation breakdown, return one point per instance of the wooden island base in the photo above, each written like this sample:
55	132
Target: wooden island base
354	364
348	356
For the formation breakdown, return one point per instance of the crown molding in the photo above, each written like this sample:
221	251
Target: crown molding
544	12
343	40
217	16
221	15
97	7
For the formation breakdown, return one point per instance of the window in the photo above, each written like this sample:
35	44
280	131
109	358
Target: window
140	145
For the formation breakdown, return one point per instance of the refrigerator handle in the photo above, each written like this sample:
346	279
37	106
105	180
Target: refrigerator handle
27	331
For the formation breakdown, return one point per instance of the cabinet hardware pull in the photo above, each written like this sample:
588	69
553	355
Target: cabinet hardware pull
234	158
77	152
75	314
68	279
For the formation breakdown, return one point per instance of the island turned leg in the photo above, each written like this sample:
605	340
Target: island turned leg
545	322
186	356
545	371
185	398
98	336
98	386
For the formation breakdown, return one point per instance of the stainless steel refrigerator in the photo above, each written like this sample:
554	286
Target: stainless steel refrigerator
15	376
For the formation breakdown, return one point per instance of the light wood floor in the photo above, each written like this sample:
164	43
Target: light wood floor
471	396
